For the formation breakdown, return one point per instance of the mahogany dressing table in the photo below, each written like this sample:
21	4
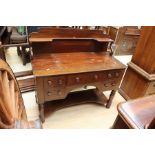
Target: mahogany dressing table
67	59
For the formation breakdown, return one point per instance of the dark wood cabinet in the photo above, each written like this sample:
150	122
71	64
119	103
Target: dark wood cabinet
126	39
139	79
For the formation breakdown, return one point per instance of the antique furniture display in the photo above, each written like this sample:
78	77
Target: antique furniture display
126	39
13	37
136	114
67	59
12	109
139	79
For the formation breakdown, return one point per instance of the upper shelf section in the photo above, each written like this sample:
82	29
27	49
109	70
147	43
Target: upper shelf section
60	40
50	34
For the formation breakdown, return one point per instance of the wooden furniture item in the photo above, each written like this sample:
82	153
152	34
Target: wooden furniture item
12	110
139	79
2	39
126	39
16	41
136	114
2	53
67	59
25	80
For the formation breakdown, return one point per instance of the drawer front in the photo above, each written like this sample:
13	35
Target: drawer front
151	88
54	87
54	94
113	74
110	77
112	84
79	79
54	82
85	78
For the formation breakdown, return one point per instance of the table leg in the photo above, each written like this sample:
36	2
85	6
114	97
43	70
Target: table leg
23	55
41	112
101	97
112	94
18	50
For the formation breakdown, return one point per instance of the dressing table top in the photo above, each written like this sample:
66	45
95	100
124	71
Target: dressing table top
69	63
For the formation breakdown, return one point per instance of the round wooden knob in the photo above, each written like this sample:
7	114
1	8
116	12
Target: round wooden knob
106	85
59	92
60	82
109	75
49	83
96	77
49	93
117	74
77	79
113	83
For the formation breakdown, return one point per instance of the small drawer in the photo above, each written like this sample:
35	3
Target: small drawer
54	82
114	74
50	82
109	74
97	76
111	84
79	79
54	94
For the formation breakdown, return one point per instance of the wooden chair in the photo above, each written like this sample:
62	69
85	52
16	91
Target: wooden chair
136	114
12	109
